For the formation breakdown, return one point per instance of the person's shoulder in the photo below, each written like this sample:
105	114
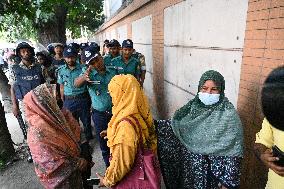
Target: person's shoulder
134	59
126	128
80	66
116	61
14	66
111	69
61	68
107	56
227	105
118	58
36	65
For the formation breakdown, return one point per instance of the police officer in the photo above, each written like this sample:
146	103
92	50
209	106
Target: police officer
75	99
48	68
82	47
105	48
25	76
95	46
139	56
97	76
125	63
50	49
76	46
114	51
58	59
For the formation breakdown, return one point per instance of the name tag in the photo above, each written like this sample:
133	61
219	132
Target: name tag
29	77
95	82
119	68
98	92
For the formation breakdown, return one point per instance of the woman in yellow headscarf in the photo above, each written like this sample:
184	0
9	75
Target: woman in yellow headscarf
129	102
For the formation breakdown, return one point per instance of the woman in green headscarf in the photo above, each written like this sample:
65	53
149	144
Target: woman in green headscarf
207	135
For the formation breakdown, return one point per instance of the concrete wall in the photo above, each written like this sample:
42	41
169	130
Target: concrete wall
121	33
142	38
210	35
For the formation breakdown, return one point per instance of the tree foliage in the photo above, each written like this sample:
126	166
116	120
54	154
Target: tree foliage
14	30
29	16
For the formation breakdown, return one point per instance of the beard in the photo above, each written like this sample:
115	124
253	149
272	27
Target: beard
71	63
28	58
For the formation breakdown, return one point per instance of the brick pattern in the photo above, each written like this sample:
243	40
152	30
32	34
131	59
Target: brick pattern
263	51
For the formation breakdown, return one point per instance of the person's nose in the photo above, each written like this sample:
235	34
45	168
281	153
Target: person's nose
209	91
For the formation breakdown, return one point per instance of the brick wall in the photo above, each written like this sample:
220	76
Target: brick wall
263	51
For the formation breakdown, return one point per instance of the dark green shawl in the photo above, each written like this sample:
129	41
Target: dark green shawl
210	130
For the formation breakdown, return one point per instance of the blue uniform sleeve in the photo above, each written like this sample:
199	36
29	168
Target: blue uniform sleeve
83	70
59	76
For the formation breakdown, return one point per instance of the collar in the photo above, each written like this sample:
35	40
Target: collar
129	60
77	66
22	65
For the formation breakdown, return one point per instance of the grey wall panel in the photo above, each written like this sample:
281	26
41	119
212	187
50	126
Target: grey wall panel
142	30
198	36
206	23
183	67
121	33
142	39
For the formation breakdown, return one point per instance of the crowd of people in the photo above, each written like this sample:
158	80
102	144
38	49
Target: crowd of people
59	91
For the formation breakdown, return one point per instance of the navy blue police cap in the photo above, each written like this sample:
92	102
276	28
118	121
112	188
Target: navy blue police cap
89	54
113	43
127	43
83	46
70	51
74	45
95	45
58	45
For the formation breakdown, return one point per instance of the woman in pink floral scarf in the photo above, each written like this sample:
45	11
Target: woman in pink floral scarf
53	138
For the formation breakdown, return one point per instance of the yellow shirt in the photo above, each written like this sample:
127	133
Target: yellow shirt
269	136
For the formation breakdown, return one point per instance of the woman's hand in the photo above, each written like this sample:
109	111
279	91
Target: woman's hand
82	164
101	184
103	134
220	186
268	159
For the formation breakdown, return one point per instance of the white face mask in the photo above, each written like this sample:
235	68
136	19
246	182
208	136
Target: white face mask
208	99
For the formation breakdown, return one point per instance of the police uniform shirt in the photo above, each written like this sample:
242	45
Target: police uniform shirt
131	67
141	59
98	89
12	76
25	78
57	63
66	77
107	60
